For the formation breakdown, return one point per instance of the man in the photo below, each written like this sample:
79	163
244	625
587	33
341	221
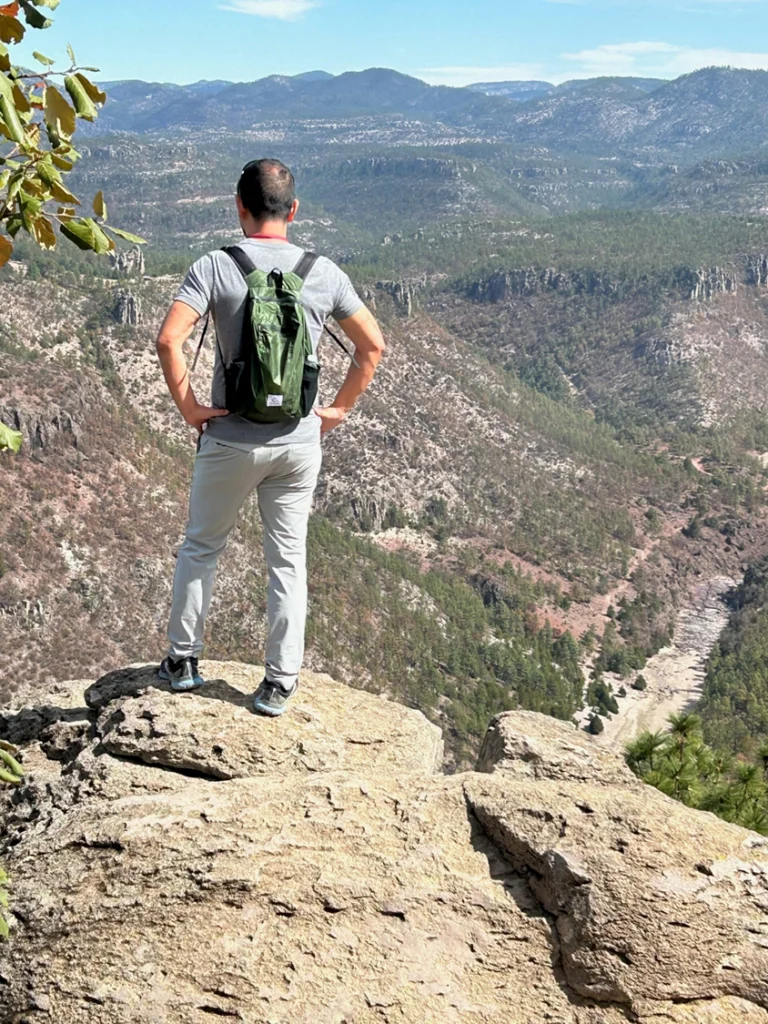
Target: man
279	460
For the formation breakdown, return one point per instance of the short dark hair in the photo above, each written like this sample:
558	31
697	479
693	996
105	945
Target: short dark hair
267	188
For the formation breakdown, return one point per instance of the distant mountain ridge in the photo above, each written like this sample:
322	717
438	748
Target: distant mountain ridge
519	91
712	111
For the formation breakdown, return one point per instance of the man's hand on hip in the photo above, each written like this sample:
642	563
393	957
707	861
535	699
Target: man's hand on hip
330	417
199	415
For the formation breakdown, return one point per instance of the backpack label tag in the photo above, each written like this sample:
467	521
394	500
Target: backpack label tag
274	401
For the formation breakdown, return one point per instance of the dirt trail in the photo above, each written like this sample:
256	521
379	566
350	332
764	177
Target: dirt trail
676	674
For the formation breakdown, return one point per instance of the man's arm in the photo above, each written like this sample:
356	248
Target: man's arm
177	328
365	334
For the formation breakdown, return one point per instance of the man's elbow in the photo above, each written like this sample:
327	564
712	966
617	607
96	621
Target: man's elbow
165	344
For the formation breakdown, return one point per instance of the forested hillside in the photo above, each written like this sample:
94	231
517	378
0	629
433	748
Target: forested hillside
735	704
566	435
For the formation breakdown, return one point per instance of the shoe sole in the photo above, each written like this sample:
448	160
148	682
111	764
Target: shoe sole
269	712
181	687
262	709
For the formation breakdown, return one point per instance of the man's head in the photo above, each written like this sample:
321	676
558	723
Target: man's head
266	192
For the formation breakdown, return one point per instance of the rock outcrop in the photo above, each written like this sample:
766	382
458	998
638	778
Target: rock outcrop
127	309
528	281
42	429
402	293
757	270
699	284
706	282
177	859
129	262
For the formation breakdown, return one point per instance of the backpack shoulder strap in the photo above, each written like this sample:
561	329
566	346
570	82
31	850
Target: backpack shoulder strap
305	265
244	262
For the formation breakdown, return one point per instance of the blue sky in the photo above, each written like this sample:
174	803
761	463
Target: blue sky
452	42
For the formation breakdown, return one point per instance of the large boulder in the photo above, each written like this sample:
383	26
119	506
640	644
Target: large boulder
177	859
214	731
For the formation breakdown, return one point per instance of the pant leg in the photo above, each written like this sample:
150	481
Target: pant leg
223	479
285	501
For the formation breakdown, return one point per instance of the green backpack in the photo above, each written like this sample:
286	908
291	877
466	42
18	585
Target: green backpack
274	378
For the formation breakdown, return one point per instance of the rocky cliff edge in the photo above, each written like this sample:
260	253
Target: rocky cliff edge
176	859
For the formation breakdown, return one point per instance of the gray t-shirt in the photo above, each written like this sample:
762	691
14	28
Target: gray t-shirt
214	282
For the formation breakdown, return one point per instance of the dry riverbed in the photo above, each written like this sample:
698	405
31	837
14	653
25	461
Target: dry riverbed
676	674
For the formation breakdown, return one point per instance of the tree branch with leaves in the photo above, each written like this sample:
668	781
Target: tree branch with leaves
37	121
39	111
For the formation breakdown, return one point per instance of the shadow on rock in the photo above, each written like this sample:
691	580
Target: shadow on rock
131	682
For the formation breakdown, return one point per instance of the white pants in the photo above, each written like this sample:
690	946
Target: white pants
285	477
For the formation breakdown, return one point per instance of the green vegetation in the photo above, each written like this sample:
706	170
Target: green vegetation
37	123
600	696
10	772
485	658
682	765
734	707
595	726
459	651
9	439
4	926
10	769
630	249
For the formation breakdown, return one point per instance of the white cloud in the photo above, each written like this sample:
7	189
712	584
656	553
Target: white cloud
467	75
657	59
284	10
640	59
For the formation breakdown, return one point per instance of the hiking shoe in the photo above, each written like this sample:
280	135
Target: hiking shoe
272	700
182	674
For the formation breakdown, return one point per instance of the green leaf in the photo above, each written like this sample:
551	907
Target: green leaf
61	193
5	60
11	761
71	53
20	99
9	113
14	225
80	98
30	207
47	172
127	236
4	930
33	17
86	234
50	4
42	59
10	439
59	115
61	162
94	92
99	206
42	231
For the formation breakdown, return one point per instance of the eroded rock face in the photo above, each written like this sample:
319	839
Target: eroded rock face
129	263
127	309
524	745
214	732
177	859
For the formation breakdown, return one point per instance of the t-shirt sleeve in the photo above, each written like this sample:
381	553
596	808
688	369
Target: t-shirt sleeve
346	301
197	289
